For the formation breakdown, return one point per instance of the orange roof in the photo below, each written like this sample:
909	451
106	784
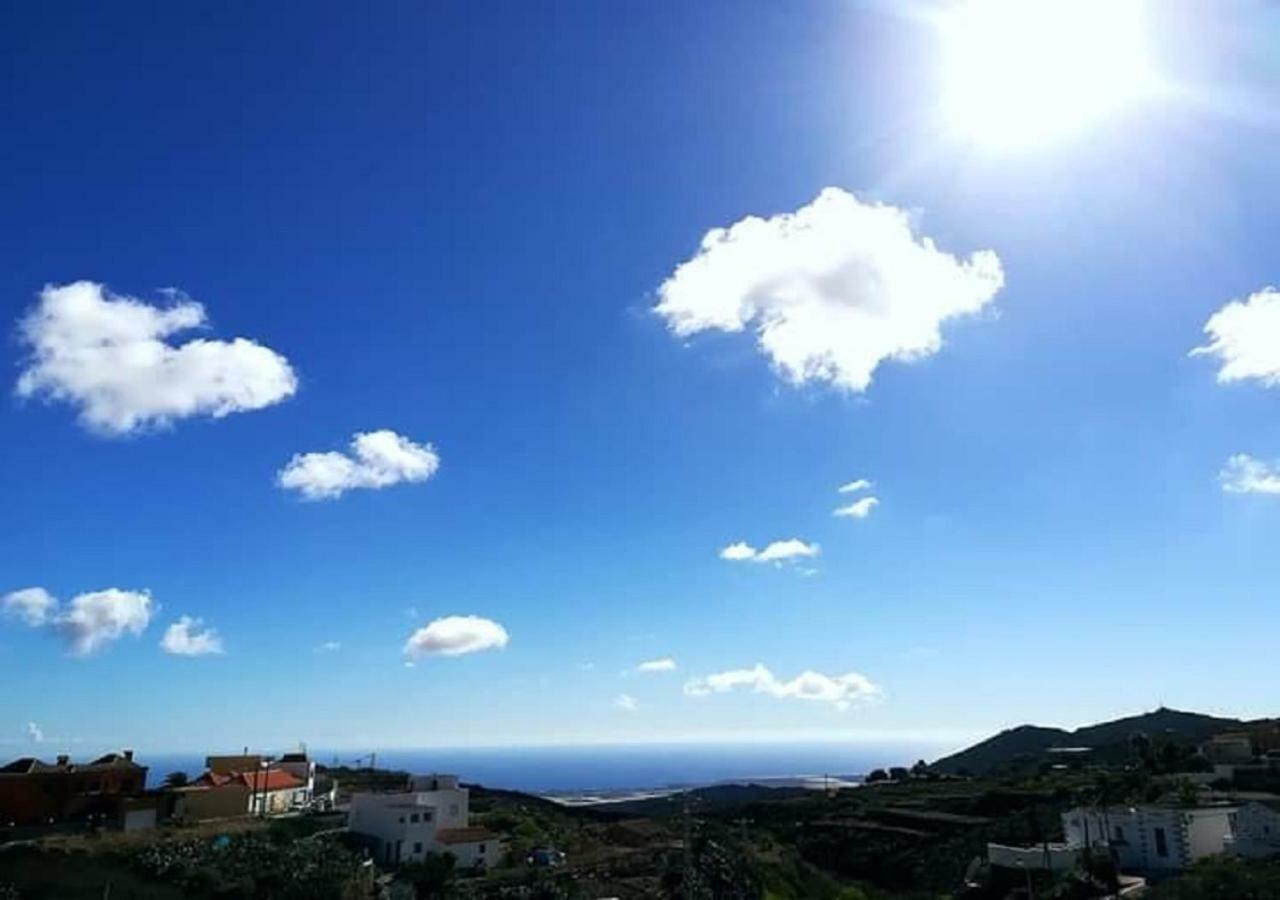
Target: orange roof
262	780
464	835
269	780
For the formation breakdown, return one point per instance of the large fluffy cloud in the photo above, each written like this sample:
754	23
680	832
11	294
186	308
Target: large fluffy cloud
832	290
189	637
454	636
1245	337
93	620
776	552
840	690
89	621
111	357
34	606
377	459
1245	475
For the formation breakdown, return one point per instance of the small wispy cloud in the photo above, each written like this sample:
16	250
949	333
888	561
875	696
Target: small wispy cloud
840	690
625	702
652	666
328	647
1244	474
858	509
776	552
189	637
35	733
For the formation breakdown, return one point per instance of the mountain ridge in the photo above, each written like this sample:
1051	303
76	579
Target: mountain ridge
1029	744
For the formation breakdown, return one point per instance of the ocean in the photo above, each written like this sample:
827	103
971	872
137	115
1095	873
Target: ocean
607	770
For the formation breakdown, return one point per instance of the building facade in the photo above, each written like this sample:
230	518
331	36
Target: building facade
33	792
432	816
1151	838
1255	829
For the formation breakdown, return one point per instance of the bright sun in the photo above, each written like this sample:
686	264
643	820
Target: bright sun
1021	73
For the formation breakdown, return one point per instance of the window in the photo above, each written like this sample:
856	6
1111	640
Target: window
417	846
1119	835
413	818
1162	845
453	810
482	849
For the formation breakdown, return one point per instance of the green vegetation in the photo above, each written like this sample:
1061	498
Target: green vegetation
1223	879
281	861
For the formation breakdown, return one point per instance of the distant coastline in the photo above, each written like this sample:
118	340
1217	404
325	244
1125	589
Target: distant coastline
594	774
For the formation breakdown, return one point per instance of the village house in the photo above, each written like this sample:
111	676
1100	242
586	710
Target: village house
246	784
1151	838
432	816
33	792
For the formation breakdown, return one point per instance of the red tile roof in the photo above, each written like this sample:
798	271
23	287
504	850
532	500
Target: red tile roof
268	780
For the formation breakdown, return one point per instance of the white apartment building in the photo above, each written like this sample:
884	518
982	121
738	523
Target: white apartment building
1151	838
432	816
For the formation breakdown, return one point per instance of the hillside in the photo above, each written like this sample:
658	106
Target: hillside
1030	744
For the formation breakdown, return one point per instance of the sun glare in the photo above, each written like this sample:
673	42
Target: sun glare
1022	73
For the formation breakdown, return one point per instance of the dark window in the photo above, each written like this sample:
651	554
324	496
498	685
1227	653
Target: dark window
413	818
1119	835
417	847
1162	846
482	849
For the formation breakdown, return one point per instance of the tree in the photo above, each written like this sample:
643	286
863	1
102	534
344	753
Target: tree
877	775
431	877
175	779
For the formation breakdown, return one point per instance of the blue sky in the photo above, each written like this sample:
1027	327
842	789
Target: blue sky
456	223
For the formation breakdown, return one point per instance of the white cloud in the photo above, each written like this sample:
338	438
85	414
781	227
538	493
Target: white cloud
90	621
34	606
377	459
35	733
625	702
456	635
738	552
329	647
650	666
776	552
832	290
840	690
1245	475
858	509
93	620
188	637
792	548
110	357
1245	338
860	484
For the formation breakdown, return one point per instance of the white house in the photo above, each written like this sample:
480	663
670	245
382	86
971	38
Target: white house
1151	838
432	816
1255	829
